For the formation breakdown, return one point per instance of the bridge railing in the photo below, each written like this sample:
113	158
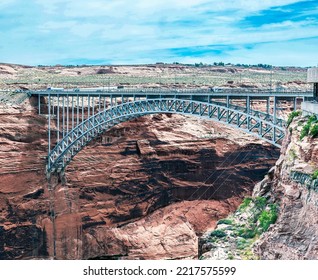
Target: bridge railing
173	91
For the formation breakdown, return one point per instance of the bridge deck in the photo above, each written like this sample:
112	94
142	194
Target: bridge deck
156	93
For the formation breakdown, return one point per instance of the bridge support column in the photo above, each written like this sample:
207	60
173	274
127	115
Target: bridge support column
248	104
53	113
228	106
58	118
67	113
39	103
268	105
77	110
72	116
275	109
63	116
295	103
49	125
88	108
248	109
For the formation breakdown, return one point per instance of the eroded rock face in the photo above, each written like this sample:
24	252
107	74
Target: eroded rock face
144	190
295	234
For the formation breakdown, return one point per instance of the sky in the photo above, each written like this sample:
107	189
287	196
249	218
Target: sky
49	32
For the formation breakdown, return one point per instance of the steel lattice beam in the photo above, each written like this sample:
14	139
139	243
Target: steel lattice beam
255	123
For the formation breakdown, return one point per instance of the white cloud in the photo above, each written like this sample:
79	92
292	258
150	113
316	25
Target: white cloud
147	8
125	30
5	3
75	28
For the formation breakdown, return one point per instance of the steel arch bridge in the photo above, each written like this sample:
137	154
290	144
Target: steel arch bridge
74	119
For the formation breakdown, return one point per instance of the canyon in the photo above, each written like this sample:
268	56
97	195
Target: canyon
146	189
152	187
279	222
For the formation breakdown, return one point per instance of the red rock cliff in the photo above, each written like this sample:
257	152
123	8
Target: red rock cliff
144	190
292	186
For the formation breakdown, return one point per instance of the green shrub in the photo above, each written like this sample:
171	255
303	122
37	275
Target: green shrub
268	217
230	256
260	202
314	130
249	255
312	119
247	232
308	126
241	244
245	203
314	176
225	222
305	130
291	116
218	233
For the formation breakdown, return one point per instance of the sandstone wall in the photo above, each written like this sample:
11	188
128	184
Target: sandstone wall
291	186
144	190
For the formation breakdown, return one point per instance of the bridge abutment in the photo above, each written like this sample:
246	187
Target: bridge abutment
311	107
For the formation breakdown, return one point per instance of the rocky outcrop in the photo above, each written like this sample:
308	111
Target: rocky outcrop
294	188
144	190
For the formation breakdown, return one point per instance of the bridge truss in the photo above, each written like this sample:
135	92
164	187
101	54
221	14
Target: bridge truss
76	118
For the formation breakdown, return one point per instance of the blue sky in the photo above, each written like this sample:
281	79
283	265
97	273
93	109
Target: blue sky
277	32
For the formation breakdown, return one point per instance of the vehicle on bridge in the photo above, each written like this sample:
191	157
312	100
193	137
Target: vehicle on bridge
216	89
55	89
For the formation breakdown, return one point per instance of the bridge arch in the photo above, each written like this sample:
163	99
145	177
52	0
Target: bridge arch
256	123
